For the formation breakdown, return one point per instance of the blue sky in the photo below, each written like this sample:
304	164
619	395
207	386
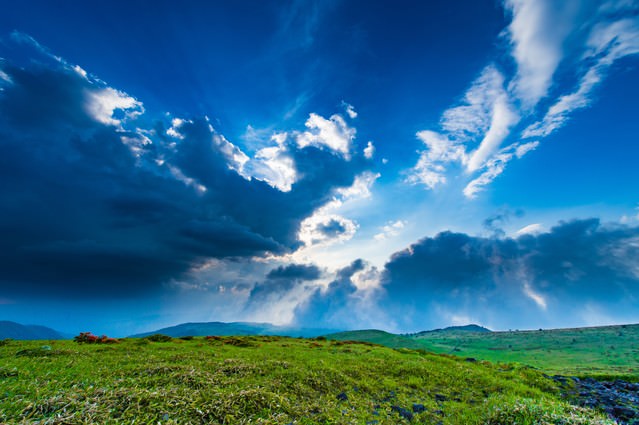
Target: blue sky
340	164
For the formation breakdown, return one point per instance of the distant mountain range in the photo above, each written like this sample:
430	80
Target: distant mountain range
15	330
235	328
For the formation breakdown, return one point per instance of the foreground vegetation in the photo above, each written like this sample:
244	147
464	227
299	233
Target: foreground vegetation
267	380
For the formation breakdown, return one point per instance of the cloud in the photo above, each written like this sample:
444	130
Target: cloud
536	279
332	133
496	165
295	271
577	40
607	43
369	150
392	229
104	198
325	226
350	110
347	302
537	32
102	104
530	229
485	119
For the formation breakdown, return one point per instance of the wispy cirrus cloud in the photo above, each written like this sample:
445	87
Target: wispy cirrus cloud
542	39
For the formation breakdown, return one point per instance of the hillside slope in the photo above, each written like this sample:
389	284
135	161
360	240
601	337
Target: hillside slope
376	337
233	328
269	380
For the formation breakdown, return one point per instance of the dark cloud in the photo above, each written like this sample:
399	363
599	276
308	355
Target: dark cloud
579	273
342	304
295	271
554	277
331	229
94	203
494	224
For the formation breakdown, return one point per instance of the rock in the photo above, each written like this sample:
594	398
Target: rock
342	396
440	397
418	408
404	413
471	359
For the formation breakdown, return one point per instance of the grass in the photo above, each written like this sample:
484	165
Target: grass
267	380
608	351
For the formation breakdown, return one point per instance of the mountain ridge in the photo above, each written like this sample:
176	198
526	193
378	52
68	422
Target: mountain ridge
14	330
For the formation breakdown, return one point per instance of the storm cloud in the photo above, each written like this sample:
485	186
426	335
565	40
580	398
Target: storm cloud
100	197
580	272
575	270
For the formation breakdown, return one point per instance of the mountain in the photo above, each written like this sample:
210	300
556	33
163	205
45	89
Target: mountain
235	328
376	337
450	329
15	330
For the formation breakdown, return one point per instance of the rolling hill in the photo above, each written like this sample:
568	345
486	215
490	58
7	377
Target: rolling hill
605	350
234	328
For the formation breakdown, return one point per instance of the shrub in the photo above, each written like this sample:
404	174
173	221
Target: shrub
89	338
159	338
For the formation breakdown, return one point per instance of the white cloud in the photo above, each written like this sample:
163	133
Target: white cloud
369	150
174	130
326	226
430	167
360	189
539	299
274	165
101	105
473	117
5	77
350	110
531	229
323	228
333	133
496	165
390	230
503	118
607	43
538	31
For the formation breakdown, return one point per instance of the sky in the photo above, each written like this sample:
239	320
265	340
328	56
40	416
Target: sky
399	165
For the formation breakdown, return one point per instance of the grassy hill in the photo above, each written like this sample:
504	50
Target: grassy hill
268	380
607	351
376	337
234	328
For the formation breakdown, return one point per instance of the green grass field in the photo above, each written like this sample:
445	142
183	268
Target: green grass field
267	380
611	351
604	352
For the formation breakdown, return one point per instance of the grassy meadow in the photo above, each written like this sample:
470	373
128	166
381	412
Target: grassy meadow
606	352
268	380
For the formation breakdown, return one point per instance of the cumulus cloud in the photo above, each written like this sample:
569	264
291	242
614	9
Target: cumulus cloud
539	278
348	301
107	199
369	150
332	133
